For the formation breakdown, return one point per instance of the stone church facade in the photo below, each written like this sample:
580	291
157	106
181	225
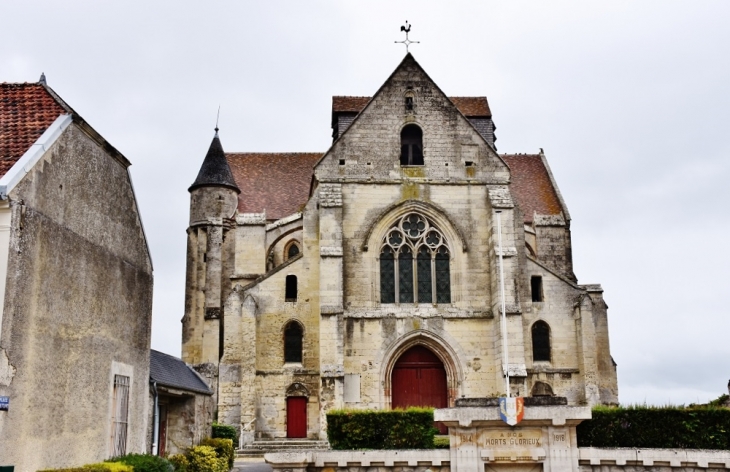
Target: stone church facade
368	276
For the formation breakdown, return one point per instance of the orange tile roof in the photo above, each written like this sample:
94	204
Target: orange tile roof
275	182
531	185
351	104
278	183
26	111
469	106
472	106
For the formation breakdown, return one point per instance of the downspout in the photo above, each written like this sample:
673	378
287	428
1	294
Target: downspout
155	418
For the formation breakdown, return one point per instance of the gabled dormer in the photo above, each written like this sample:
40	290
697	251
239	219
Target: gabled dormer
410	123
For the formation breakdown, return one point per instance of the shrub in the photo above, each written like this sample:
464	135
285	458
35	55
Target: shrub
100	467
180	462
391	429
205	459
441	442
223	448
145	462
109	467
224	431
657	427
68	469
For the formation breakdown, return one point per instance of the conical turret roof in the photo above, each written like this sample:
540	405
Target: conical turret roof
215	171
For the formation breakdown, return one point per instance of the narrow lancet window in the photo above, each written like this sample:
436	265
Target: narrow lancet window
405	275
540	341
536	287
387	276
425	289
291	288
293	334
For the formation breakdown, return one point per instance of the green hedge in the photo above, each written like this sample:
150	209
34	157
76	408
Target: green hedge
657	427
224	431
144	462
392	429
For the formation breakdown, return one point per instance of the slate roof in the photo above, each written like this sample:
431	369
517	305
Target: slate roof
531	185
26	111
215	170
275	182
169	371
468	106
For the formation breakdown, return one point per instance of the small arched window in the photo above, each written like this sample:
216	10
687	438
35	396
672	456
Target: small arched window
540	341
541	389
411	146
293	334
292	250
290	294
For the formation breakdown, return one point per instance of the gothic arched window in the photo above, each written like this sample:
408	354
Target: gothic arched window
422	270
292	250
540	341
293	334
411	146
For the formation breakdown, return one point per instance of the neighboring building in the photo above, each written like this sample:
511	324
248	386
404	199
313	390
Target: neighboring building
182	405
368	276
75	286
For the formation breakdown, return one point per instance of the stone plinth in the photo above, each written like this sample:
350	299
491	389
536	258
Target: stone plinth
544	440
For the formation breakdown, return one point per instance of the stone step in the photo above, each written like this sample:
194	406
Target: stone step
260	447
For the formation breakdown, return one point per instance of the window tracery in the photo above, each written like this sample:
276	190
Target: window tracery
422	271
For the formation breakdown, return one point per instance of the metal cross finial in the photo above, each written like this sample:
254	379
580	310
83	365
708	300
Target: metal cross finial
407	42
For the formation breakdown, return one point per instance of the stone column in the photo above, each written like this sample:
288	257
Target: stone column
332	369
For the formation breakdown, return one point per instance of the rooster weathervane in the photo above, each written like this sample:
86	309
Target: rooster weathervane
407	42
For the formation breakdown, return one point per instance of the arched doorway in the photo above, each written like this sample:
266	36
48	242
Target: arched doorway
296	417
296	410
419	379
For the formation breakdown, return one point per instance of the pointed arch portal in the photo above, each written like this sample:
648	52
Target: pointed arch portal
419	379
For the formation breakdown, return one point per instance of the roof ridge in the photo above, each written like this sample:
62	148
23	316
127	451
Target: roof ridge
274	152
166	354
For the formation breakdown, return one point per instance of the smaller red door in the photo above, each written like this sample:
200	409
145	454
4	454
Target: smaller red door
296	417
162	433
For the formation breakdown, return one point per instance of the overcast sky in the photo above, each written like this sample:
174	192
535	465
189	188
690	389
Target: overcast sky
629	100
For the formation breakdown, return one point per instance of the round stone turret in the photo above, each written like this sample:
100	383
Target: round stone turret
214	194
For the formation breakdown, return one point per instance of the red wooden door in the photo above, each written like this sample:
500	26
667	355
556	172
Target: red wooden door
162	432
419	379
296	417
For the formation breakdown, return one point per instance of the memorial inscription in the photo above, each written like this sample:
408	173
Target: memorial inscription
505	438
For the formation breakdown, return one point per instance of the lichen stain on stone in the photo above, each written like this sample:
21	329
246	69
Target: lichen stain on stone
410	191
7	371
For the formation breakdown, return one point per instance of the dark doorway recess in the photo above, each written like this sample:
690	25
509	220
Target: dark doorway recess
419	379
296	417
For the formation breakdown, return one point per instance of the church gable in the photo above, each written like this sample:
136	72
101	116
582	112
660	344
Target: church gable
411	129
